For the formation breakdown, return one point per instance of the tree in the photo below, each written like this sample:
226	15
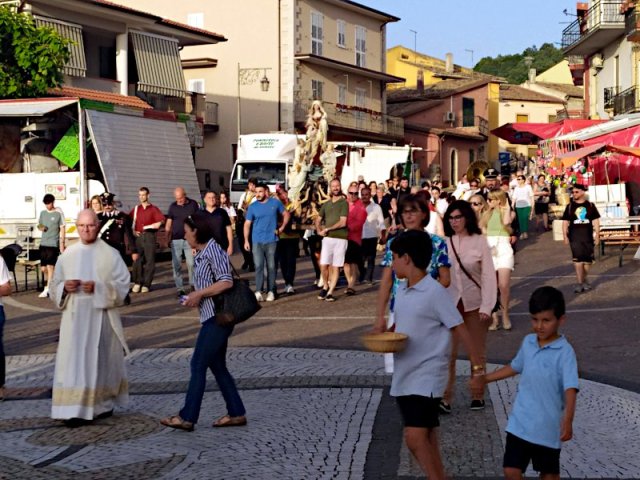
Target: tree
513	67
31	57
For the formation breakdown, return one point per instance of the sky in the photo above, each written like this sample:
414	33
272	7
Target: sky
488	27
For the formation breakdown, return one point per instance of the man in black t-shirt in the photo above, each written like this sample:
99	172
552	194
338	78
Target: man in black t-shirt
222	231
580	221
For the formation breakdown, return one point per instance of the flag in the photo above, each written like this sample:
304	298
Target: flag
407	167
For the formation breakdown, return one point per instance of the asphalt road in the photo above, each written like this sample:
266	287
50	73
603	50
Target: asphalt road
602	324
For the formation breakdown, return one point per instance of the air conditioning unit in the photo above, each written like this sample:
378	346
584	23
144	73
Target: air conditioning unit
597	61
449	117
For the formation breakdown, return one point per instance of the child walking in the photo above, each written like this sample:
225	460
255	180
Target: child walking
424	312
542	414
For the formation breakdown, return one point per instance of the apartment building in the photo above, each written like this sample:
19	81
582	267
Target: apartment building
602	48
282	55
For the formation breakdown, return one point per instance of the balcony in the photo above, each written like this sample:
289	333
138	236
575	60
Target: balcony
354	118
626	101
597	28
577	114
632	25
609	95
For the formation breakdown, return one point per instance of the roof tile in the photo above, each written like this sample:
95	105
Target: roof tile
100	96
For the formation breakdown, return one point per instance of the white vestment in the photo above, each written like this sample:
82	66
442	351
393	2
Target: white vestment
90	376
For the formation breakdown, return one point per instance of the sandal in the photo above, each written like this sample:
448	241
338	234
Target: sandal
175	421
350	291
228	421
494	328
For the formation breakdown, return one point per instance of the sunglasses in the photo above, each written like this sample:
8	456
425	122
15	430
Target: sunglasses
353	193
476	204
453	218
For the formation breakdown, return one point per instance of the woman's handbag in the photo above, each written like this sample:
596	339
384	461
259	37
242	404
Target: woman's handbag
496	307
236	304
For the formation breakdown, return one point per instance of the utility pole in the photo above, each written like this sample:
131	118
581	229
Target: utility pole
415	46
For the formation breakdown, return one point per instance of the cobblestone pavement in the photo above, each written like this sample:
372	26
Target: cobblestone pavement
313	414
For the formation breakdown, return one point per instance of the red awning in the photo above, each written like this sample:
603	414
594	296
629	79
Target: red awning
532	133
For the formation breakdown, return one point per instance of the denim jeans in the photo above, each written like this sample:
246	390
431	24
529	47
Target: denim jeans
2	359
262	252
178	247
211	352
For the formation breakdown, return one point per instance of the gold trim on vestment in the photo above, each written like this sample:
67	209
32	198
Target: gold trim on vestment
87	397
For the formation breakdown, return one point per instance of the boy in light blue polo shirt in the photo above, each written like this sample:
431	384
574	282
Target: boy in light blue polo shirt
542	414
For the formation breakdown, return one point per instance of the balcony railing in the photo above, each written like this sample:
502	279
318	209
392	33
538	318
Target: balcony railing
483	126
601	15
356	118
626	101
632	25
609	95
191	104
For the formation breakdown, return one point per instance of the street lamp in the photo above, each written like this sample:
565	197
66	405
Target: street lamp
249	76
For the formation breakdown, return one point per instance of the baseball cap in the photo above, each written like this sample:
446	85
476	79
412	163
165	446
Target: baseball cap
490	173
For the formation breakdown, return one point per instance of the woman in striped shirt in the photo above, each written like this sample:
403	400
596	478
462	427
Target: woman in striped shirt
211	277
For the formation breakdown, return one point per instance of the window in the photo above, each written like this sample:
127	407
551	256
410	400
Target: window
522	118
196	85
108	62
361	46
342	94
361	101
342	35
195	20
316	89
316	33
468	112
266	172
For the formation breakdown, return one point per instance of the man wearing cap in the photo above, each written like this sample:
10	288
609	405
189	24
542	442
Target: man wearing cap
116	228
581	231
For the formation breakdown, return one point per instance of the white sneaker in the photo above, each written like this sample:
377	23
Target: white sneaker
321	283
288	289
136	289
144	290
270	297
259	297
44	293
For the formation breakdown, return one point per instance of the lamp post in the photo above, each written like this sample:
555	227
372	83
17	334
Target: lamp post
249	76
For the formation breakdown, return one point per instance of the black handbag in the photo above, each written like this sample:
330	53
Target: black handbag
237	304
497	306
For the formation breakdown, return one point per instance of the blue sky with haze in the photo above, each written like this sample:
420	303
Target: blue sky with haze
488	27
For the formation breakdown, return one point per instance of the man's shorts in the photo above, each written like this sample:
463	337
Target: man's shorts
48	255
354	252
518	453
333	251
582	251
418	411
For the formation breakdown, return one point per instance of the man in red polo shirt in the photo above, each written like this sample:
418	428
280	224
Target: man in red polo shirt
147	219
353	260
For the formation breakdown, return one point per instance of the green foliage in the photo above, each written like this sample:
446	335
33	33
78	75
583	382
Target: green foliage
31	57
513	68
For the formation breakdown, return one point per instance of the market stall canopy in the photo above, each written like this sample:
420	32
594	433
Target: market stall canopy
532	133
570	158
36	107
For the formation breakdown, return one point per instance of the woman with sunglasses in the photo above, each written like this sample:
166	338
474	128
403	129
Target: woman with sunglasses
473	287
522	197
479	205
496	225
414	214
211	276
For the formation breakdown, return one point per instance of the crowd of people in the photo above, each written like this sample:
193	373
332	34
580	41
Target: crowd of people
446	268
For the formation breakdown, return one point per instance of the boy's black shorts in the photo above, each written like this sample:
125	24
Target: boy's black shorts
353	253
419	411
518	453
48	255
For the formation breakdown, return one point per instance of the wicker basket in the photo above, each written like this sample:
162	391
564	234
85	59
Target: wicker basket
386	342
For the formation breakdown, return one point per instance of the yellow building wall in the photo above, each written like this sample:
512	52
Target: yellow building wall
493	97
406	63
559	73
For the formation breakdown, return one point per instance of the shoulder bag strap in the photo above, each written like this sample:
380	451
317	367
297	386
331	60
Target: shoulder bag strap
464	270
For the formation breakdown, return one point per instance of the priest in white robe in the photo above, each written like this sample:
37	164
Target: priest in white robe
89	283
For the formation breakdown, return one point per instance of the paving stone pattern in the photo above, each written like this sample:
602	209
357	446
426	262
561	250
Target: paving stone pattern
312	414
